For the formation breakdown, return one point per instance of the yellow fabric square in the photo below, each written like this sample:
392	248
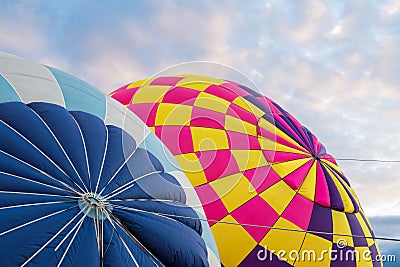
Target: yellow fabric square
365	229
278	196
236	125
287	167
334	166
234	190
150	94
263	123
283	240
307	188
249	159
233	241
190	164
211	102
198	82
205	139
267	144
341	226
140	83
246	105
172	114
314	252
364	257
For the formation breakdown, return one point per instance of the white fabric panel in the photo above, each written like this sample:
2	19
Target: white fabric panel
27	77
118	115
212	258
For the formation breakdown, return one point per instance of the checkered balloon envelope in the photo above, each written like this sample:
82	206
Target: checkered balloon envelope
265	181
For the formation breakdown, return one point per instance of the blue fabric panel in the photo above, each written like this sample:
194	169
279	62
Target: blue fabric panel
17	171
148	163
139	163
13	144
7	92
83	251
67	132
115	158
27	123
12	183
27	240
95	137
169	240
79	95
158	149
117	255
172	208
159	186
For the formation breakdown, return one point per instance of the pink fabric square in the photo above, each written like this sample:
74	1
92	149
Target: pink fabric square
234	87
207	118
299	211
221	92
217	163
296	178
258	212
212	203
240	113
241	141
262	178
146	112
180	95
178	139
124	96
322	192
166	81
286	156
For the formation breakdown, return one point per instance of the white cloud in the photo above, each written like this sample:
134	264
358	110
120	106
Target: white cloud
21	29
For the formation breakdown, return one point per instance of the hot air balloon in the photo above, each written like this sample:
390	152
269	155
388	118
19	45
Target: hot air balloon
84	182
270	190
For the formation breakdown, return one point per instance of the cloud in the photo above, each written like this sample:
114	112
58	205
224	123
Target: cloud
21	28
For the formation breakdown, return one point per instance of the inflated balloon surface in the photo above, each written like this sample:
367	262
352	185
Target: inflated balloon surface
254	166
84	182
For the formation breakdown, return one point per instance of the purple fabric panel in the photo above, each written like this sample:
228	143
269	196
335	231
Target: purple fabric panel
343	257
321	221
336	200
252	260
356	230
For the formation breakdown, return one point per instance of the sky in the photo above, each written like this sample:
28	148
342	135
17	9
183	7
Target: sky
333	64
